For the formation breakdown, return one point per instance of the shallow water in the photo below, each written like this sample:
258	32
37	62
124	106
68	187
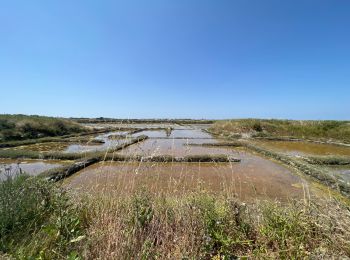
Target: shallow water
304	148
10	167
174	147
152	133
108	144
340	171
253	178
136	125
189	133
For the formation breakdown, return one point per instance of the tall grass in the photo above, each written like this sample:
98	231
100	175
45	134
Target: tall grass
39	220
202	226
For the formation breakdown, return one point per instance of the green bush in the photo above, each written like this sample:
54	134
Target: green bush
37	220
20	127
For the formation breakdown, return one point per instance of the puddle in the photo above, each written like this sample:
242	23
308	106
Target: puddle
254	178
304	148
10	167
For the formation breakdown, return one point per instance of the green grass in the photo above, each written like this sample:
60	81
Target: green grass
324	130
21	127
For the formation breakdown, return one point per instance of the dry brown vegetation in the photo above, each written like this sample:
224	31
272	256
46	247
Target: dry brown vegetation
334	130
202	226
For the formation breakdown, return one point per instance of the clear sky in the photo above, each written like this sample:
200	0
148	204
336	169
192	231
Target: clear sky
176	58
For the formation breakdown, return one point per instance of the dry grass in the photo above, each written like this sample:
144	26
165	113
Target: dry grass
200	226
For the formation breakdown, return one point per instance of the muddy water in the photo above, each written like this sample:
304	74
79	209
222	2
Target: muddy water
32	167
174	147
254	178
108	144
304	148
123	125
341	172
153	133
189	133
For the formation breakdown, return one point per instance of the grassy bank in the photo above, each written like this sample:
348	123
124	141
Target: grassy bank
20	127
325	130
43	222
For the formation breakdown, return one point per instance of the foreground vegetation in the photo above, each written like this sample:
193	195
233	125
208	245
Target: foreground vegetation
316	130
21	127
37	219
40	220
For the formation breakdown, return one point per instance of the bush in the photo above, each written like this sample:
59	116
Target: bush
37	220
20	127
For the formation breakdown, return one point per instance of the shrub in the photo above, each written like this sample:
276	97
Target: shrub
37	219
20	127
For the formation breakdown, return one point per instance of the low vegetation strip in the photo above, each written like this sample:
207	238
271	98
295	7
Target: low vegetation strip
38	220
327	160
314	130
170	158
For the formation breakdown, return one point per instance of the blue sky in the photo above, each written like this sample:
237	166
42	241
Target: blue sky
177	59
